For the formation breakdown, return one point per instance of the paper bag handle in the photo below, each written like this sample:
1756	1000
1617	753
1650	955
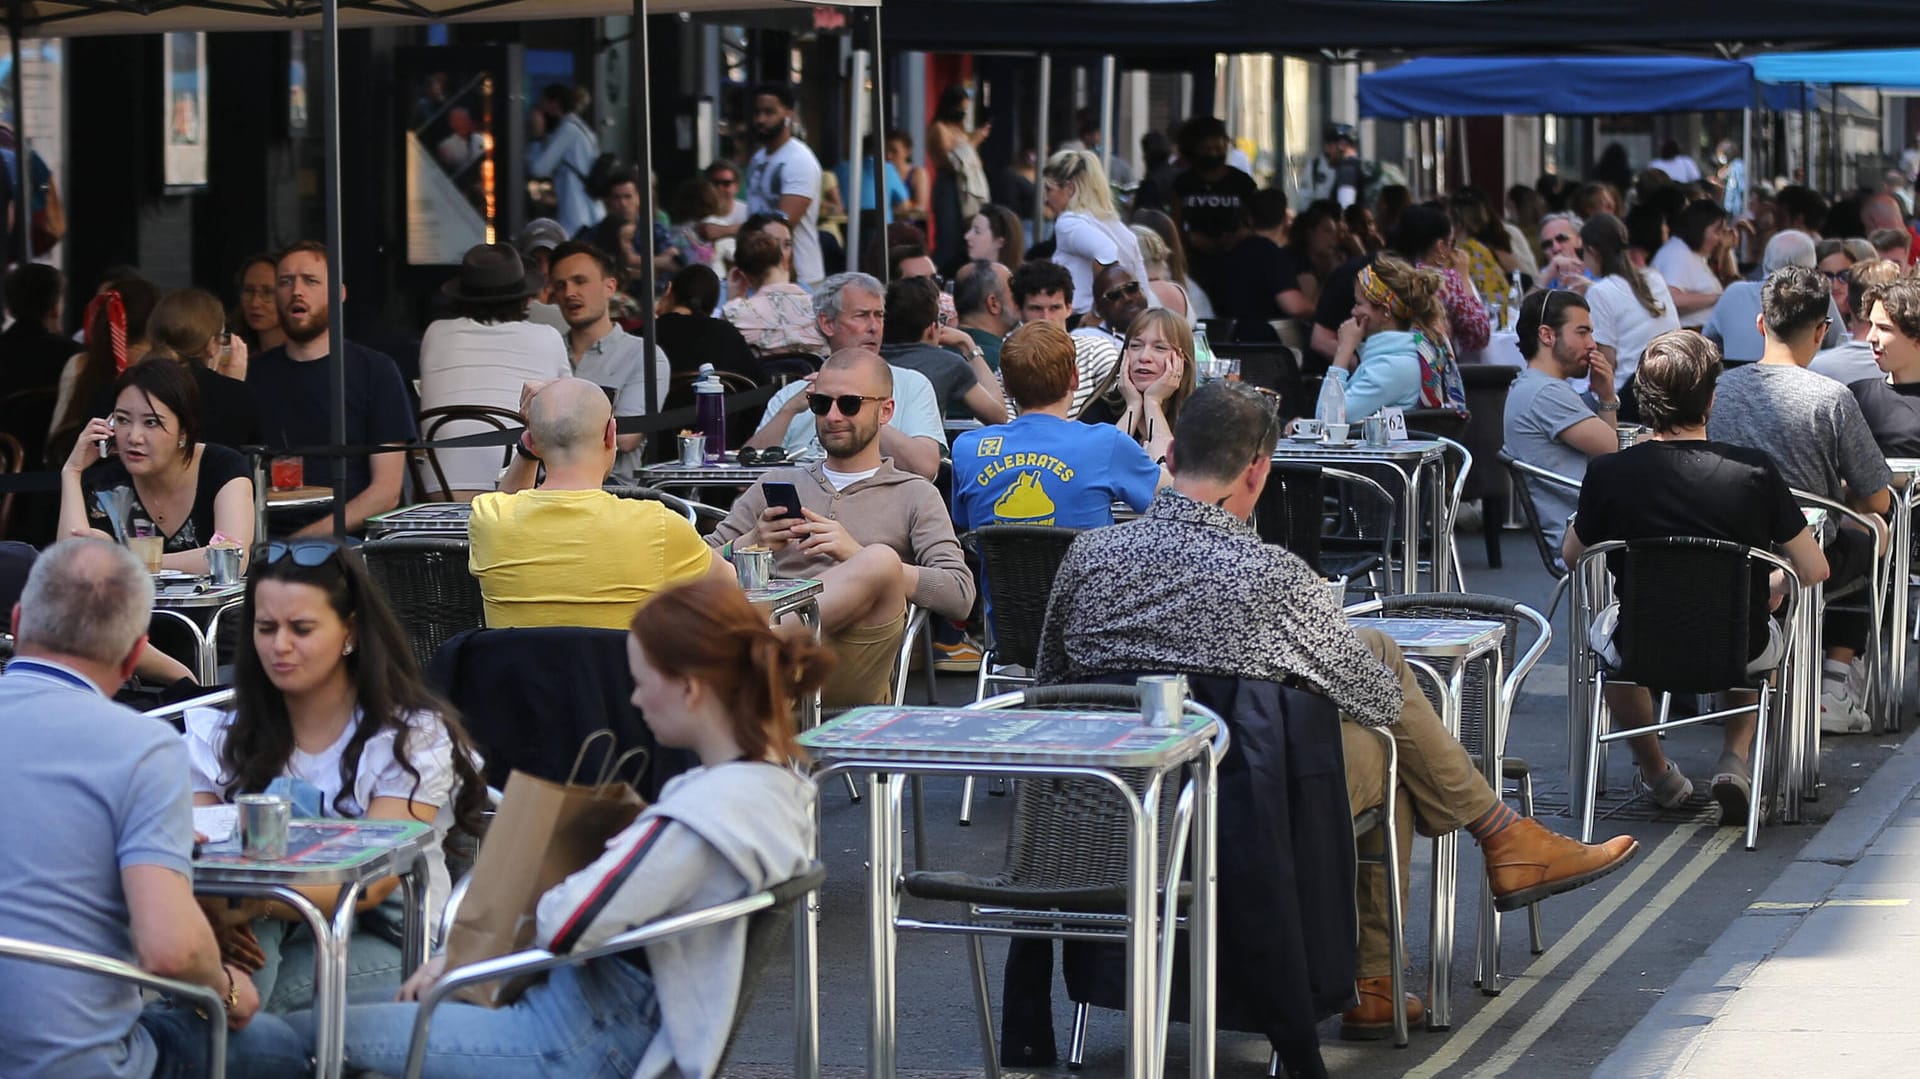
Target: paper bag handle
613	774
609	762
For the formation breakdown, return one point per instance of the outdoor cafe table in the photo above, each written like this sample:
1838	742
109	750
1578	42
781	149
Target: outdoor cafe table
197	605
890	743
1411	460
1443	650
349	854
431	518
728	473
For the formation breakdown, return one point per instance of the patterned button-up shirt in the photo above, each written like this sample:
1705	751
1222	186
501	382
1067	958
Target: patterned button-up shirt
1189	588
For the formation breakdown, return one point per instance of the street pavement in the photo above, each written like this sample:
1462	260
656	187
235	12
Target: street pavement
1637	945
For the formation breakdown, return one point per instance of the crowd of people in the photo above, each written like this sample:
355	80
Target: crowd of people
1072	367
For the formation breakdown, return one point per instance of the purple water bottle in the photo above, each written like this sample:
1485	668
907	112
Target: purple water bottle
710	412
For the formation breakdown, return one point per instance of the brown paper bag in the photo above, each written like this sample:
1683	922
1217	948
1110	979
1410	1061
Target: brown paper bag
542	833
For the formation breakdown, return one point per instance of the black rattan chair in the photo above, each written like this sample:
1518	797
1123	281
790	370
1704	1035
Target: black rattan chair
673	502
1526	638
1487	385
1683	628
1019	563
1339	522
427	583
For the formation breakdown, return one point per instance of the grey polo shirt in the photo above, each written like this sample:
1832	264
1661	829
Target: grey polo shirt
614	362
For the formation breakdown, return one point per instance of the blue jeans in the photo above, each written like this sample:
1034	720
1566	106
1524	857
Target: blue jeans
285	980
267	1048
595	1019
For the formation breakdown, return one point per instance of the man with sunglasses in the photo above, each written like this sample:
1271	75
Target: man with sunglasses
567	552
725	179
851	310
1117	297
875	536
1190	587
1560	240
1814	431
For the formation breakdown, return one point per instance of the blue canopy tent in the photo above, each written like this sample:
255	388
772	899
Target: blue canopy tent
1885	69
1563	85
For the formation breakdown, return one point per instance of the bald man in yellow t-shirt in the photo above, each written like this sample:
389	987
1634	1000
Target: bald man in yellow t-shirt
567	553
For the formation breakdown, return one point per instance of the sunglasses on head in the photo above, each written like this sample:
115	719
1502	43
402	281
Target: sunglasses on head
849	403
306	553
1114	294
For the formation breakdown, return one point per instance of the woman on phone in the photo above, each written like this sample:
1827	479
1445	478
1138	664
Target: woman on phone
329	710
184	490
711	676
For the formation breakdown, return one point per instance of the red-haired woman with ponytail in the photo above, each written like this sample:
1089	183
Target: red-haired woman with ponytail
711	676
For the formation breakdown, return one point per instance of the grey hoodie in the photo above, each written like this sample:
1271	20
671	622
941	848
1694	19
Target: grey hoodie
715	835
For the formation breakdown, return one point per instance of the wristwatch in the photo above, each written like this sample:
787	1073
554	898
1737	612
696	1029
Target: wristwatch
976	353
1607	406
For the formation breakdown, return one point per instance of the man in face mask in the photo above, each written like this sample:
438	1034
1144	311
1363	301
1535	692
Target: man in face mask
784	179
1209	199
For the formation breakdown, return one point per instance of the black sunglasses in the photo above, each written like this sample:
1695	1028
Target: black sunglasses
306	553
770	456
849	403
1113	295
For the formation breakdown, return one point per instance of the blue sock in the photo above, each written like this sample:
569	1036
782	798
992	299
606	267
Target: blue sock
1492	822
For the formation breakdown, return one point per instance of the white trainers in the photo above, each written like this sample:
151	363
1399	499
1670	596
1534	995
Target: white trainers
1671	790
1840	711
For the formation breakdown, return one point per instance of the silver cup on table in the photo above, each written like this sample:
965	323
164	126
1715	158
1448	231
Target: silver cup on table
693	451
1374	431
754	567
1163	699
264	822
223	564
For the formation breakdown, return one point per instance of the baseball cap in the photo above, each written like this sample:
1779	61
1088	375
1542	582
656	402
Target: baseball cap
1339	132
541	232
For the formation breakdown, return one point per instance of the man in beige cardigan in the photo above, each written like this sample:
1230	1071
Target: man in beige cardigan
875	536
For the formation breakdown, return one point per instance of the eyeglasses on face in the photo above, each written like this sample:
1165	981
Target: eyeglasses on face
1117	292
306	553
850	403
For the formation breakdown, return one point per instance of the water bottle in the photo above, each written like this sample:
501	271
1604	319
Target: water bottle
1332	406
1202	355
710	412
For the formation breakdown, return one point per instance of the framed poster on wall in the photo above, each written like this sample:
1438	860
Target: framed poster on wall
184	76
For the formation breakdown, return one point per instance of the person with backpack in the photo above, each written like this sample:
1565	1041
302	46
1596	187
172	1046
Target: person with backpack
568	153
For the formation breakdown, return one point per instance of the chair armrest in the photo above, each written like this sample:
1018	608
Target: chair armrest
207	1000
216	699
535	960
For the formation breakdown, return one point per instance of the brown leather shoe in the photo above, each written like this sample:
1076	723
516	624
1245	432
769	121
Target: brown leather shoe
1372	1018
1527	863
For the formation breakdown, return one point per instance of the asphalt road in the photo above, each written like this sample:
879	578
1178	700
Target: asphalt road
1613	947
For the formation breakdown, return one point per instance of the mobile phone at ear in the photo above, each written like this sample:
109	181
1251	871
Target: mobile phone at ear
784	497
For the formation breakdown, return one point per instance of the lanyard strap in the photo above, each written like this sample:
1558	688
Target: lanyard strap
50	672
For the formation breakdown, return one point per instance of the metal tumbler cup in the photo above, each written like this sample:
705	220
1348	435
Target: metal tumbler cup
1628	433
1374	430
693	450
264	820
754	567
223	565
1163	699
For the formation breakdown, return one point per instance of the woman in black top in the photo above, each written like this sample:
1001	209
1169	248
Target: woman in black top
691	336
184	490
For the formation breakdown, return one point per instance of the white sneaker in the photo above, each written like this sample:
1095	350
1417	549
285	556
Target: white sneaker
1840	711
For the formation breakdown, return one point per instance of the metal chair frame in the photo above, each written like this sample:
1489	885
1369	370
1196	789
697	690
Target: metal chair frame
987	919
1882	697
212	1003
1587	605
780	897
431	420
1523	474
1489	608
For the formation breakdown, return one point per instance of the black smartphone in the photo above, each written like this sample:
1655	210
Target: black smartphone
783	496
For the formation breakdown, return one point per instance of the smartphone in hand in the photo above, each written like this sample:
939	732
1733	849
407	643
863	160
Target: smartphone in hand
784	497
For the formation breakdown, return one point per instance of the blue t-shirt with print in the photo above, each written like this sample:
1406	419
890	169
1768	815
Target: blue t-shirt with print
1043	470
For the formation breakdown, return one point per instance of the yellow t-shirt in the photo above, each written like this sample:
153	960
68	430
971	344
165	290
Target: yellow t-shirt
577	558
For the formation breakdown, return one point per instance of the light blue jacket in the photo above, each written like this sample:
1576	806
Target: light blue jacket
1387	376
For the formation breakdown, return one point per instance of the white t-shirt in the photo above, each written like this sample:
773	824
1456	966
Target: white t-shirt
1081	241
463	362
843	480
379	775
1684	268
791	170
1681	170
916	413
1622	324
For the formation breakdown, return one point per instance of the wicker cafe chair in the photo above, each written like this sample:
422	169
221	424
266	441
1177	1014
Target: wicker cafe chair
1683	628
427	583
1526	638
432	420
648	494
1019	563
1065	865
769	914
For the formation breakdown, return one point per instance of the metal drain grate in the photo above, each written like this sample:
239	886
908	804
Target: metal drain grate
1623	806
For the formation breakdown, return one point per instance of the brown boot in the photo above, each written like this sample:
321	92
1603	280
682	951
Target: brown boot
1527	863
1372	1018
